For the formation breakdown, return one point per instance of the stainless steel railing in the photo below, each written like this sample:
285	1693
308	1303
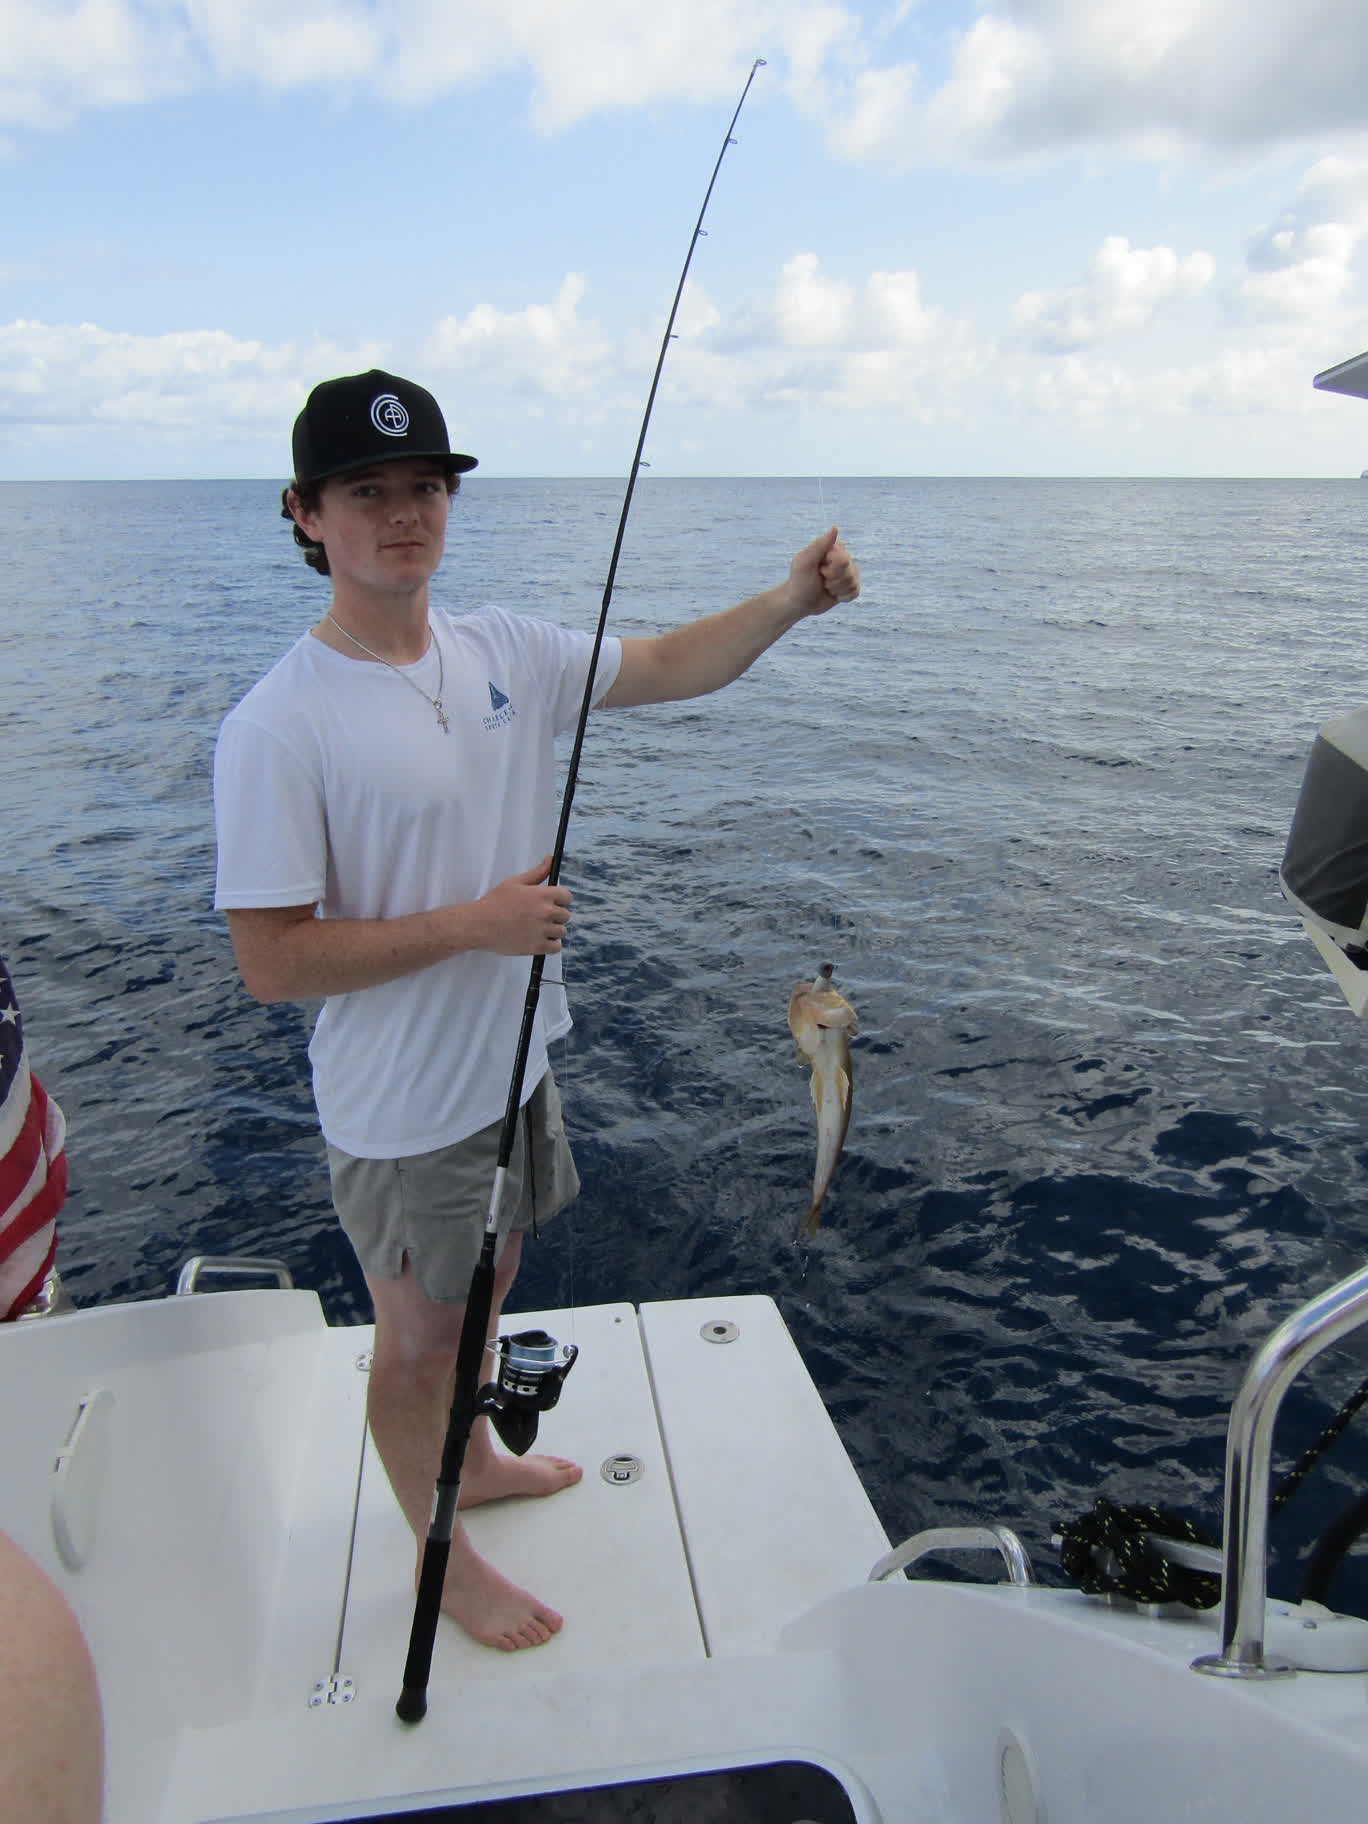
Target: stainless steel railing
1244	1559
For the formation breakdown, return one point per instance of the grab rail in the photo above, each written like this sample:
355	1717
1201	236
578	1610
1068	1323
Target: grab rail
1249	1448
959	1539
230	1266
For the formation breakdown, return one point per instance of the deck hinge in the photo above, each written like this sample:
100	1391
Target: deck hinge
332	1690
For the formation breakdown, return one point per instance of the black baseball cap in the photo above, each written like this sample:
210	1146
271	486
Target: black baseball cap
361	419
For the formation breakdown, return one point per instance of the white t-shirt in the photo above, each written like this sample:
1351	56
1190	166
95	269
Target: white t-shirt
333	782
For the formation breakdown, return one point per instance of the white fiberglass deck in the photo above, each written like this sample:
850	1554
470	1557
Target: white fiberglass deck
222	1549
638	1589
747	1511
212	1500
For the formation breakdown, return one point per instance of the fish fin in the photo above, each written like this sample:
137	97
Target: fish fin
799	1007
831	1009
842	1086
817	1090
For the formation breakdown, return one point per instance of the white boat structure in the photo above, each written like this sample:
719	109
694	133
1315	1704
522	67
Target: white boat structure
195	1475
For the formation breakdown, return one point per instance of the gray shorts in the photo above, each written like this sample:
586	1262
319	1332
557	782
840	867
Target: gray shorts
433	1207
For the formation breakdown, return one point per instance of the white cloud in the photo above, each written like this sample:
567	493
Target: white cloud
59	56
73	375
306	42
816	342
880	116
816	339
1298	273
1021	78
820	342
584	56
580	56
1073	386
1301	269
873	349
896	308
1125	289
697	314
811	310
1033	78
1237	382
546	348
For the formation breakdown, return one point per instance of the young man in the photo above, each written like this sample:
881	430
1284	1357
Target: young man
382	798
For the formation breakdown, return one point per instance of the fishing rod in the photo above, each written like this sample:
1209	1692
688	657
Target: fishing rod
530	1375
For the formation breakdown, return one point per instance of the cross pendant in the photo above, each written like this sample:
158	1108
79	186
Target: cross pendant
441	715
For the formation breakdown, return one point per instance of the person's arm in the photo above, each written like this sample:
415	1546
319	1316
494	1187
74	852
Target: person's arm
285	953
707	654
51	1728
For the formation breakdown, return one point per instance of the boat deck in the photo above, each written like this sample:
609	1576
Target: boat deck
245	1581
735	1525
248	1585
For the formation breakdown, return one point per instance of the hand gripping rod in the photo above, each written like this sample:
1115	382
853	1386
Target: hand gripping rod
412	1704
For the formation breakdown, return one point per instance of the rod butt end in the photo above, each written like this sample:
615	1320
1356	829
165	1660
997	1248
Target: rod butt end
412	1705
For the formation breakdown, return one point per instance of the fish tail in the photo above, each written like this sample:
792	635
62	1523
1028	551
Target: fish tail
807	1228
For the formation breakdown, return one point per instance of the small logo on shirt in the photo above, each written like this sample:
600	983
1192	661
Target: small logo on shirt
504	711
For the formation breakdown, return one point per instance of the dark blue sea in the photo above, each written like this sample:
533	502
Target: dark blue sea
1028	796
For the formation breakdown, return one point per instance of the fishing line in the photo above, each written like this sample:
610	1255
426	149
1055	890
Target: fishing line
466	1398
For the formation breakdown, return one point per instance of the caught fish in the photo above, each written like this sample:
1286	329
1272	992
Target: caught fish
823	1022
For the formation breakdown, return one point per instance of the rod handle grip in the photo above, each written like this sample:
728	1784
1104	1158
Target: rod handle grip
412	1704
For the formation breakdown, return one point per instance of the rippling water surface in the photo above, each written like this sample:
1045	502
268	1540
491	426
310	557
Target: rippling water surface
1029	796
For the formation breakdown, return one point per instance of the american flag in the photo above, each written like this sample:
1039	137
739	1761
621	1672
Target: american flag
32	1165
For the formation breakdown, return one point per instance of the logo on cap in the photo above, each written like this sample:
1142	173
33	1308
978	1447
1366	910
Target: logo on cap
388	415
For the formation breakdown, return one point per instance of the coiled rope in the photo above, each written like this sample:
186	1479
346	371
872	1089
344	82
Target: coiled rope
1111	1551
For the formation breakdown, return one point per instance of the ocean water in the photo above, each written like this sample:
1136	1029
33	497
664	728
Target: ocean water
1028	796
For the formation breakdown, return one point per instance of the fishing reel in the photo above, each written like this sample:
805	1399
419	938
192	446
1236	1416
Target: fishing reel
530	1377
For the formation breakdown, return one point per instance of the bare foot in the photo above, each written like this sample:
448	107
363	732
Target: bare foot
499	1477
490	1608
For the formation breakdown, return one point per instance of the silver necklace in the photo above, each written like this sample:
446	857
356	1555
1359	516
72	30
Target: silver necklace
436	701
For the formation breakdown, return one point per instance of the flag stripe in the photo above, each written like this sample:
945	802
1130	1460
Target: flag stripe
22	1275
33	1168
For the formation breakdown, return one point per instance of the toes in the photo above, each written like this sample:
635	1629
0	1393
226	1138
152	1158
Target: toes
530	1633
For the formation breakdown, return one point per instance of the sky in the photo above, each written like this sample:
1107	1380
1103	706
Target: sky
1018	237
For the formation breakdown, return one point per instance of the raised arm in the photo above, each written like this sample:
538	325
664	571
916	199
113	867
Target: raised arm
286	953
706	654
